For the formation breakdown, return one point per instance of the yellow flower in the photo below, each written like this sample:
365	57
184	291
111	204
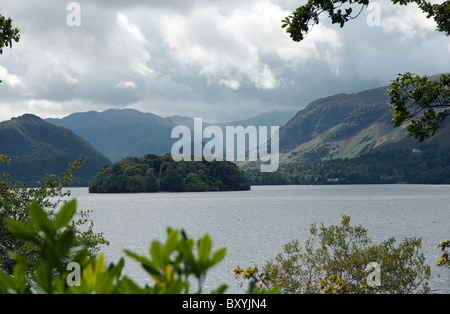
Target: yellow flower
443	243
442	261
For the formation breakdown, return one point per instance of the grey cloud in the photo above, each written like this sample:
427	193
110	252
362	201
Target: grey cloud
67	69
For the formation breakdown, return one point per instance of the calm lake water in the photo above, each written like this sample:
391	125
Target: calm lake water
254	225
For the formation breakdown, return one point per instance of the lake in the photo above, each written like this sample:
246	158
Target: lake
254	225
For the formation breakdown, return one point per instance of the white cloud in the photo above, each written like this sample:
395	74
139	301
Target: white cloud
263	77
128	48
9	78
230	83
69	79
37	105
230	46
409	22
126	85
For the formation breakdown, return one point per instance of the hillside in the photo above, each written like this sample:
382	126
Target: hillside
120	133
340	126
405	161
38	148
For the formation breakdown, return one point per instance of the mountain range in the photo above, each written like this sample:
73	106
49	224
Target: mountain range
121	133
338	126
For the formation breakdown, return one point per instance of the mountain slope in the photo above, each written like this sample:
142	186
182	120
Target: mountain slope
120	133
339	126
38	148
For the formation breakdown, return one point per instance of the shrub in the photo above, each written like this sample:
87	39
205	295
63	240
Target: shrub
173	265
335	260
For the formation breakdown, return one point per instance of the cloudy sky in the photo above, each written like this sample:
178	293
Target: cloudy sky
221	60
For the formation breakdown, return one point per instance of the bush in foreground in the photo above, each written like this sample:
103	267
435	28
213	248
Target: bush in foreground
335	259
172	264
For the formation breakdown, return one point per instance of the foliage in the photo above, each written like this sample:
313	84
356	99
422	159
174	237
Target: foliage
172	264
14	199
429	166
8	33
413	96
303	19
160	173
258	281
334	260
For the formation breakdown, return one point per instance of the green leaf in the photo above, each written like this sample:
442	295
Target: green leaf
52	256
171	243
204	249
22	231
175	287
40	220
218	256
116	270
43	277
6	282
65	242
146	264
19	275
136	257
65	214
157	254
185	248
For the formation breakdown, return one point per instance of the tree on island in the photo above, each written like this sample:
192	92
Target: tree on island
161	173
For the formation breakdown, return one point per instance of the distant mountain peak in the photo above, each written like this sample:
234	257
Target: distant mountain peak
27	117
119	133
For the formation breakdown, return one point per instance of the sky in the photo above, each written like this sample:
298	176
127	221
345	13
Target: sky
221	60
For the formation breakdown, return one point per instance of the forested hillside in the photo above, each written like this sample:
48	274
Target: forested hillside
38	148
420	164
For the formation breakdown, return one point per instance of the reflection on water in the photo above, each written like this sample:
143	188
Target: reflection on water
254	225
